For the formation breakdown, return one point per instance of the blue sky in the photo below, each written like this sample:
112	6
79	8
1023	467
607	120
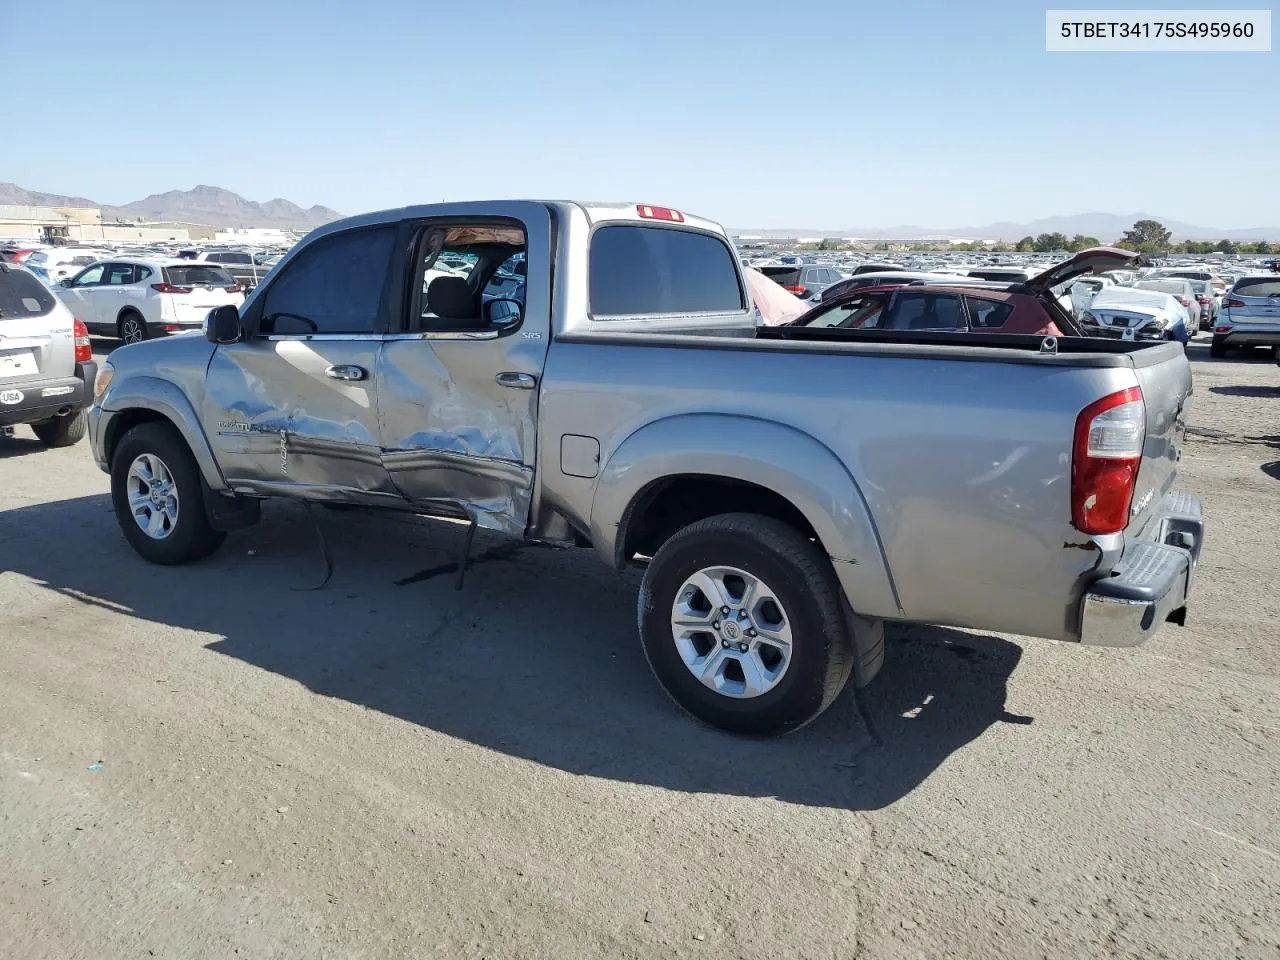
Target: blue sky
817	114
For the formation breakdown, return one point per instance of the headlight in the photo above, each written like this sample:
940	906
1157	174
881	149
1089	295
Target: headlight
102	381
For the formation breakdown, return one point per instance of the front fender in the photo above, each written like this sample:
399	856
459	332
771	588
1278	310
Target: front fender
162	397
771	455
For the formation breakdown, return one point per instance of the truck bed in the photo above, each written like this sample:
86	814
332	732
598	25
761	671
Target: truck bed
959	445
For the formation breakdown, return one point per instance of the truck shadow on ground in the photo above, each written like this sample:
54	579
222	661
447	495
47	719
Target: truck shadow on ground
1247	390
536	657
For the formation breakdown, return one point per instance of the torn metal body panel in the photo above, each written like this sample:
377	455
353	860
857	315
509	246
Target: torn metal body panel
450	431
276	415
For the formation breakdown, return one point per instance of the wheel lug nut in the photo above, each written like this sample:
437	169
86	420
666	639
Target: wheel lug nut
725	611
743	647
750	632
725	644
715	624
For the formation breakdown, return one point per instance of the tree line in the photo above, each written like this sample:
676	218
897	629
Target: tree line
1145	236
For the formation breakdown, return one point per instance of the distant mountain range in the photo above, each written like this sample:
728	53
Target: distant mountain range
1105	226
216	207
211	206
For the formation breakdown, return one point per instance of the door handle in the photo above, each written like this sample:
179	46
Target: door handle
520	381
346	371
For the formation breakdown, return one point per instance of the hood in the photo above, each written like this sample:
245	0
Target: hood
1093	260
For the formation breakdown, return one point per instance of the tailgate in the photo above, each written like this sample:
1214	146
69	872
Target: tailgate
193	307
1164	375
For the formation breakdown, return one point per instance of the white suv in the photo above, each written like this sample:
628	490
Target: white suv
136	299
55	264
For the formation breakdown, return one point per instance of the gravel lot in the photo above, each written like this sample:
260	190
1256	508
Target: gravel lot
387	767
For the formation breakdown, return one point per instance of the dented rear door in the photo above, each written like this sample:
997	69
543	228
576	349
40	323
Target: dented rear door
459	400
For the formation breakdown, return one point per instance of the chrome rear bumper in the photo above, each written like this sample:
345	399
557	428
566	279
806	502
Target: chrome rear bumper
1151	583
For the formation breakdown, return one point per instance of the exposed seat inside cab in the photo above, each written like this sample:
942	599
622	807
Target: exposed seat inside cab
451	300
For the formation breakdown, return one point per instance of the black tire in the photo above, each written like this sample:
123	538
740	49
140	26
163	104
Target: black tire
192	537
62	431
806	586
129	322
1217	348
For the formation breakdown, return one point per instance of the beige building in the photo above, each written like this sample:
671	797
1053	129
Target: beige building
78	224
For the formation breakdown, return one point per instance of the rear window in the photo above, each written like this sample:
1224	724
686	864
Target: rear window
783	276
1164	286
643	271
1262	287
22	295
83	260
205	275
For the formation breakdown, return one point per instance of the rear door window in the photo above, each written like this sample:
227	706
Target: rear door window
22	295
924	311
648	271
119	274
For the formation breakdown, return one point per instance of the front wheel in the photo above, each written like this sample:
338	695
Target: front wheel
158	497
742	623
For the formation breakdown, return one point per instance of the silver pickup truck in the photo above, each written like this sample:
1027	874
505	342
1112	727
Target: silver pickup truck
787	490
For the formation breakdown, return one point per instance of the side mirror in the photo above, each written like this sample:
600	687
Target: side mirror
503	312
222	325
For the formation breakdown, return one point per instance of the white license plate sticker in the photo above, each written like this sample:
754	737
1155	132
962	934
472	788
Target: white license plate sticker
17	364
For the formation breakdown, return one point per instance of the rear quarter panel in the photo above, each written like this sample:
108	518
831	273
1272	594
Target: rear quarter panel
964	466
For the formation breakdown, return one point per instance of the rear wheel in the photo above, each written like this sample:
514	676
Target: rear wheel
63	431
742	622
1218	348
158	497
132	327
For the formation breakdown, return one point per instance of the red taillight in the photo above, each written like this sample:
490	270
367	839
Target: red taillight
170	288
659	213
236	287
1222	328
22	255
84	349
1104	461
793	288
1232	302
1202	299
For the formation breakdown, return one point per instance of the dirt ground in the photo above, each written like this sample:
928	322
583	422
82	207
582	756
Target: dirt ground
219	761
